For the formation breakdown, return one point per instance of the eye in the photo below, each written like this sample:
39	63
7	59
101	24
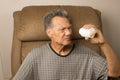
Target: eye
63	29
69	28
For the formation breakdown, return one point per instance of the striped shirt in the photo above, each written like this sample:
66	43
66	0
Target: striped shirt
43	63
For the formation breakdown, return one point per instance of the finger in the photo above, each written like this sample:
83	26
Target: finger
87	26
93	34
86	38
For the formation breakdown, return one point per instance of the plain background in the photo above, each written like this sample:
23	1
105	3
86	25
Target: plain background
110	18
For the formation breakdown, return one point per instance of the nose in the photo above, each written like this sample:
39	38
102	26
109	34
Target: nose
68	32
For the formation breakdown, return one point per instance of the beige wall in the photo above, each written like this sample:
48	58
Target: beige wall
1	71
110	17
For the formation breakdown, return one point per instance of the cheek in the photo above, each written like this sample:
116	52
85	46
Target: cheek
58	37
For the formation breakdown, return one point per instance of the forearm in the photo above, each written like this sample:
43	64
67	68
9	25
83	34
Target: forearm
112	60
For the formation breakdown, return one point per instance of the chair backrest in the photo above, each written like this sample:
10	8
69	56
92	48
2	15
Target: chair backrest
29	29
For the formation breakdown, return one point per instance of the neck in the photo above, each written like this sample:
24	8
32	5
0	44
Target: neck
62	49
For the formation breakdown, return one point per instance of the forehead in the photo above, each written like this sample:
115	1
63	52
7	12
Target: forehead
60	21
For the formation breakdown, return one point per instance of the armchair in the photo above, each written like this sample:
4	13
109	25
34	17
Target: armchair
29	29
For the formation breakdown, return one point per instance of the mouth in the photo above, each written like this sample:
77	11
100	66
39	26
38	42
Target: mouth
68	39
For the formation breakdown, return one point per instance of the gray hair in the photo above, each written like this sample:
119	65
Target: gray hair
50	15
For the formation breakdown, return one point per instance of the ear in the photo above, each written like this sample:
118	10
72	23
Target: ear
49	33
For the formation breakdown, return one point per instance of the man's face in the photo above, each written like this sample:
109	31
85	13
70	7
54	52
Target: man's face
61	31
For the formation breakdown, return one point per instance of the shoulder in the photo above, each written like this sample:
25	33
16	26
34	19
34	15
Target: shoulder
38	51
84	50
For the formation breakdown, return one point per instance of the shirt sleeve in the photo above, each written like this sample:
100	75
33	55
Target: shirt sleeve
25	71
113	78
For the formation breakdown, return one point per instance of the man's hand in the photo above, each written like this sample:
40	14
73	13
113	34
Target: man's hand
98	36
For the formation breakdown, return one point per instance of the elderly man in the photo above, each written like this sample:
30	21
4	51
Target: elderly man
62	59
